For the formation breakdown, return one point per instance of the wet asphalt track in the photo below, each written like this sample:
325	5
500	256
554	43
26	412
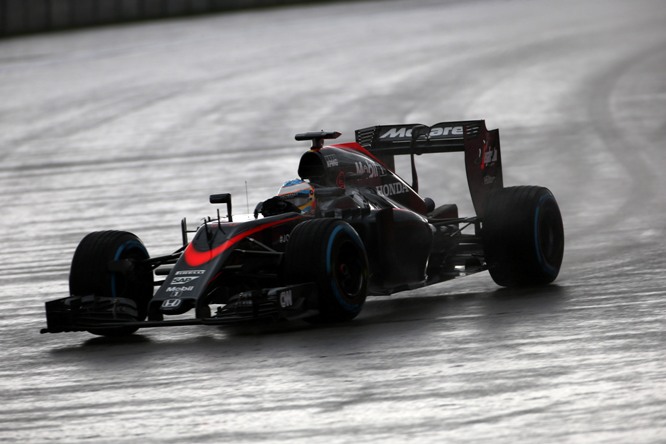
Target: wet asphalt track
131	127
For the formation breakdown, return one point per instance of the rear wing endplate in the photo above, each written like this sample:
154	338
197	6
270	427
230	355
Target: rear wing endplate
483	162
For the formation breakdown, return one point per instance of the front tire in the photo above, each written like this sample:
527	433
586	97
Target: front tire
330	253
90	273
523	236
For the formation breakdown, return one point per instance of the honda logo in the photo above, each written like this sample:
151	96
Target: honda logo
171	303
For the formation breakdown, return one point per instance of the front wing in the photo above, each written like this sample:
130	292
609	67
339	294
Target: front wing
83	313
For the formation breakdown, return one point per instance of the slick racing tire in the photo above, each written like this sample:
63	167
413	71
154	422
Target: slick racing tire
330	253
523	236
90	273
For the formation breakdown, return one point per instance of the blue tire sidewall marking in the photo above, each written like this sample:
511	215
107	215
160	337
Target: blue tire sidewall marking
352	234
537	245
125	246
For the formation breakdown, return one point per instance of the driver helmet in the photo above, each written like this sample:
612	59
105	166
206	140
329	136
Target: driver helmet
300	193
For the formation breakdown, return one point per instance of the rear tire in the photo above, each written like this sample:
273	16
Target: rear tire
523	236
90	274
330	253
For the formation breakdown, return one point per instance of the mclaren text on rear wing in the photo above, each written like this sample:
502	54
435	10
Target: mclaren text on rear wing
483	161
442	137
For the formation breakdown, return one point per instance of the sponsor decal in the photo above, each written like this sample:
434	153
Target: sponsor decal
391	189
188	272
371	169
438	131
171	303
489	157
286	299
284	238
183	280
175	289
195	258
331	161
487	180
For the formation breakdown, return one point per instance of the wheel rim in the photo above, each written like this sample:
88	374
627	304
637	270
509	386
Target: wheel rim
136	285
348	273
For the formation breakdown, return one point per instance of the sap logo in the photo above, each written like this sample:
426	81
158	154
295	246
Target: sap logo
286	299
183	280
175	289
370	169
391	189
180	273
437	131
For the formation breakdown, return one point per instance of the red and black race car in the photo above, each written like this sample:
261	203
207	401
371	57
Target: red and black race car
347	228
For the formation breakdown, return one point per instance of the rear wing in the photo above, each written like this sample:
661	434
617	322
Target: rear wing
483	162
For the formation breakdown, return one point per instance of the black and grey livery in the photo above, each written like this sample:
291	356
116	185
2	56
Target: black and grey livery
370	233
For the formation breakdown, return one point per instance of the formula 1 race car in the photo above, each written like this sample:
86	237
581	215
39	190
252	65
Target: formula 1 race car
347	228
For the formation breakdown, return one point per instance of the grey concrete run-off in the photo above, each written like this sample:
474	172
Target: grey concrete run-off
29	16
